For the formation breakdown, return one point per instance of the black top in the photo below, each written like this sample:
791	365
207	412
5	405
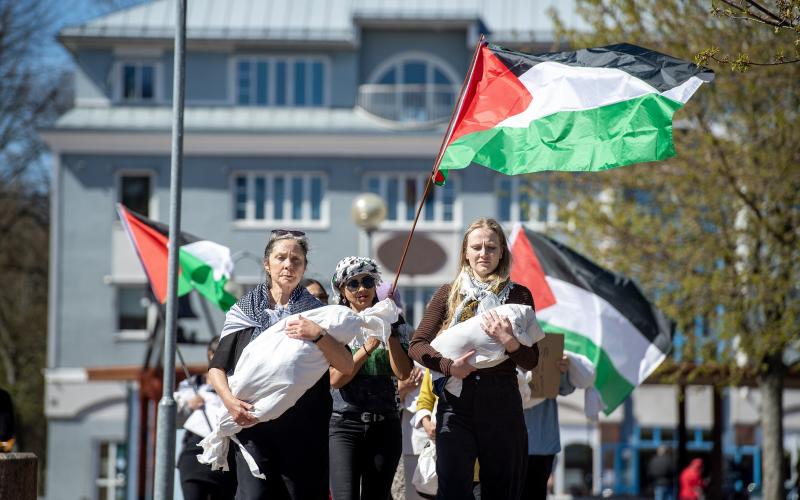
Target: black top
373	389
230	350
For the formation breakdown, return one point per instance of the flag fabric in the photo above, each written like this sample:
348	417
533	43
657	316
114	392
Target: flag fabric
205	266
601	314
586	110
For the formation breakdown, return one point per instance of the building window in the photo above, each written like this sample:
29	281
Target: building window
411	88
111	467
527	200
132	304
135	192
272	81
276	197
415	300
138	82
402	193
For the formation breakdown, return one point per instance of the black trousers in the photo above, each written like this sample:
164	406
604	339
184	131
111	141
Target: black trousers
363	457
539	469
198	481
486	423
291	451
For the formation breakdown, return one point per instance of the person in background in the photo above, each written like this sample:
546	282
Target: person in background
691	481
316	289
408	391
661	470
544	440
291	450
365	435
197	402
7	422
486	420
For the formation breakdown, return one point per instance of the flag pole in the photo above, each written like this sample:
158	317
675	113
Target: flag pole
445	139
165	435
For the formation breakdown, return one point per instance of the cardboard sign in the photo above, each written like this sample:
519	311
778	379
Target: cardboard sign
546	376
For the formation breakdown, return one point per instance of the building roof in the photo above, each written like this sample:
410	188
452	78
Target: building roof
225	119
508	21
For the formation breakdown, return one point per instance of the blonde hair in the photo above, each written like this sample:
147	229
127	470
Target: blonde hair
501	272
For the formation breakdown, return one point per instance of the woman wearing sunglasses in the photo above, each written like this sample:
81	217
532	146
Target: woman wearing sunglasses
292	450
485	421
365	433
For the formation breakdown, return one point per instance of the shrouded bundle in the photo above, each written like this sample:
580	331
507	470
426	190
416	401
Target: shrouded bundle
468	335
274	370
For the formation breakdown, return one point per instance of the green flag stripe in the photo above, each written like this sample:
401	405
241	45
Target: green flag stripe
613	387
632	131
198	275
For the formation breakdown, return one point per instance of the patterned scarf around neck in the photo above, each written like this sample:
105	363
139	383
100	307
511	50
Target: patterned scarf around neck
479	297
255	310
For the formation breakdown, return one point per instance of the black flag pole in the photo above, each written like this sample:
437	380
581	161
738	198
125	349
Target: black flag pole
451	125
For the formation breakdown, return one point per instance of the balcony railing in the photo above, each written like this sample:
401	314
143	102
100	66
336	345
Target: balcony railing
412	105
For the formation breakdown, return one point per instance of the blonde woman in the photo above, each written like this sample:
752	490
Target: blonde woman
485	422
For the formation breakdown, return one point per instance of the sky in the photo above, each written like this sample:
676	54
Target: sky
69	13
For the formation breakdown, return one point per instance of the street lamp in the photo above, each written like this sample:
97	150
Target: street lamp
368	211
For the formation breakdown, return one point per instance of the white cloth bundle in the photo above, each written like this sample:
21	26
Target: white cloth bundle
523	380
274	370
582	374
199	419
468	335
425	479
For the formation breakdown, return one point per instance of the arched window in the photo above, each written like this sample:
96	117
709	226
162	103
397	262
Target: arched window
412	88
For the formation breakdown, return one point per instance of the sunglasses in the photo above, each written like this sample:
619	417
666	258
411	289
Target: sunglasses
367	282
284	232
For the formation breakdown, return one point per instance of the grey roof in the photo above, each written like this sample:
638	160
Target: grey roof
225	119
322	20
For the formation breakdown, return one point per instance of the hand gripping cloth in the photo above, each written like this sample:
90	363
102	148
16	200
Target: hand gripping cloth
468	335
274	370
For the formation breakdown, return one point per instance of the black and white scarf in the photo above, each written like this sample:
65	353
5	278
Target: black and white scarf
255	309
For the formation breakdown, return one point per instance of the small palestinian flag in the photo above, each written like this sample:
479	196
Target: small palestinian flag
602	315
205	266
587	110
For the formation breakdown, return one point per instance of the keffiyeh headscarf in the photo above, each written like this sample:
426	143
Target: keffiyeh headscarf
478	297
253	310
350	267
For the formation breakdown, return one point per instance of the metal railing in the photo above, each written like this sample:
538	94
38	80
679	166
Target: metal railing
410	104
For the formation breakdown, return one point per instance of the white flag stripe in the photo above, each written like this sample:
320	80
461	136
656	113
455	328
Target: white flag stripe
587	314
684	92
217	256
557	87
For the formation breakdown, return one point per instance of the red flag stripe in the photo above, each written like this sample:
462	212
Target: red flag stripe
527	270
494	94
151	247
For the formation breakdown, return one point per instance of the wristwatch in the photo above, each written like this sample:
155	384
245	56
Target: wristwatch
319	337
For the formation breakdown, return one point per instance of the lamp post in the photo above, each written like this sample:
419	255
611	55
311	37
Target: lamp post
368	211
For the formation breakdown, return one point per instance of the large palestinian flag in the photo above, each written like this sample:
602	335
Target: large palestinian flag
602	315
205	266
587	110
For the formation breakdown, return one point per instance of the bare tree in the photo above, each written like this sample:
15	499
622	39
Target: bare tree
32	94
781	17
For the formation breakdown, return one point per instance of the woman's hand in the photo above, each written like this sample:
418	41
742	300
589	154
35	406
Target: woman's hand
303	329
563	364
430	427
500	329
407	386
461	368
371	344
196	402
240	411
